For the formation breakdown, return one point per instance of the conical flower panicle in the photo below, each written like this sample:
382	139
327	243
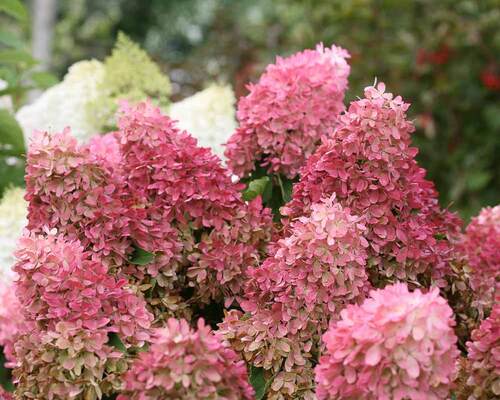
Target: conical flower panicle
290	299
296	102
369	165
186	363
77	192
187	208
396	345
71	304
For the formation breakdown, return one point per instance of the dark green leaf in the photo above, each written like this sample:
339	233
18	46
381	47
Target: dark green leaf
10	40
17	57
43	79
11	135
115	341
14	8
255	188
287	190
258	382
141	257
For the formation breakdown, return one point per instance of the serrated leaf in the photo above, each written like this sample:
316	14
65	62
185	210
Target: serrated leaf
258	382
115	341
16	57
14	8
255	188
11	135
141	256
43	79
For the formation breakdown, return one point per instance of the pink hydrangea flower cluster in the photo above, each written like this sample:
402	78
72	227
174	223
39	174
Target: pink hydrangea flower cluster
484	357
290	299
481	245
396	345
187	209
71	305
296	102
79	193
11	321
190	364
370	166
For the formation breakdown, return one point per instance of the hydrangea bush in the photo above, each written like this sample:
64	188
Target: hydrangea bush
317	265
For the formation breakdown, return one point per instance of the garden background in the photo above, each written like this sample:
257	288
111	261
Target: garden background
442	56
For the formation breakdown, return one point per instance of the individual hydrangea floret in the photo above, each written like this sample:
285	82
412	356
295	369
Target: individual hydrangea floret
296	102
71	305
370	166
396	345
481	245
208	115
483	359
190	364
187	210
13	210
291	298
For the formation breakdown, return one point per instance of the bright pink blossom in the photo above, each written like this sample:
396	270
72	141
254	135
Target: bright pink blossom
190	364
370	166
296	102
481	245
312	275
396	345
484	357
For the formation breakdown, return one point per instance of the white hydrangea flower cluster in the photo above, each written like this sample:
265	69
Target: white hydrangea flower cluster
13	213
65	104
208	115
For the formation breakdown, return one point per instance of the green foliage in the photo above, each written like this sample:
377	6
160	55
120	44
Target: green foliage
141	256
258	382
255	188
11	135
115	341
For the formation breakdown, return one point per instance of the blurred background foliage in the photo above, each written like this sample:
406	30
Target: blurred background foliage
442	56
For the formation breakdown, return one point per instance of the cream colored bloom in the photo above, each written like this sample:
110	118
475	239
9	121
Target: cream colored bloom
208	115
65	104
13	211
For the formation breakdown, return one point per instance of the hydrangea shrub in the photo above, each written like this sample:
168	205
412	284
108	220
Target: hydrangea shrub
317	265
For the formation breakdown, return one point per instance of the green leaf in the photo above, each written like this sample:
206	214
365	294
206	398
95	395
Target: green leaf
258	382
14	8
141	256
287	190
43	79
115	341
17	57
11	135
10	40
255	188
